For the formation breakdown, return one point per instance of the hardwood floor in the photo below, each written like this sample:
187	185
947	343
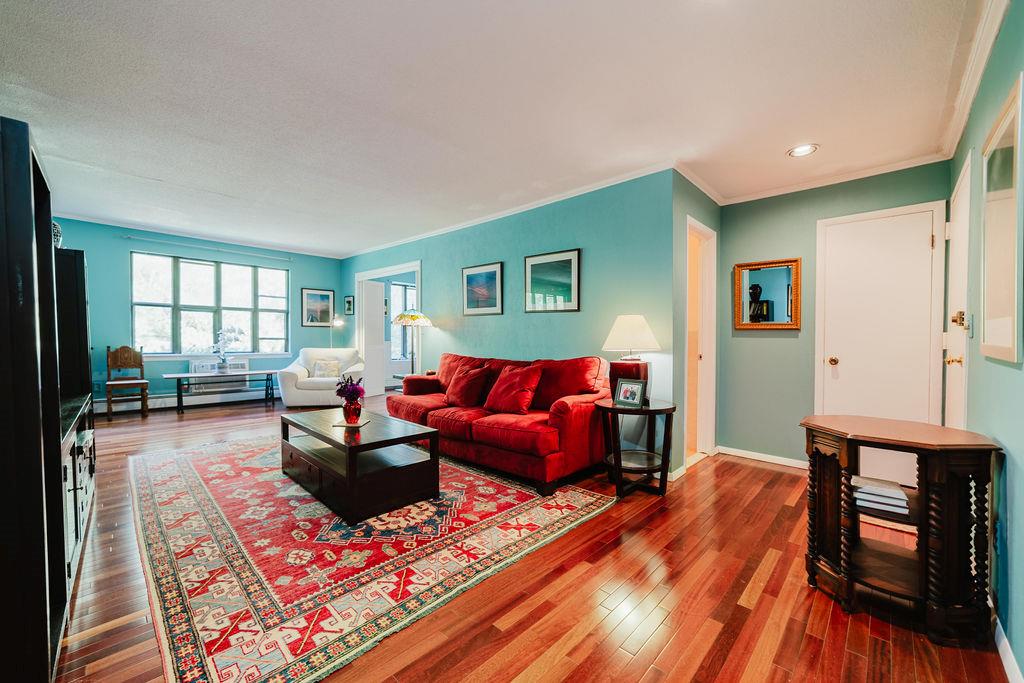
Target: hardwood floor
707	583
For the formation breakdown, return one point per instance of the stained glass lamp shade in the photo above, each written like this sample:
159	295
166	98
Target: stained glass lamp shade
412	318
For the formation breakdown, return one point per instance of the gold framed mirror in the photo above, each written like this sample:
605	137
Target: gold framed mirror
766	295
1000	324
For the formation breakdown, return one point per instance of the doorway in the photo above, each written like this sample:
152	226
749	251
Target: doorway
957	321
879	320
374	334
701	280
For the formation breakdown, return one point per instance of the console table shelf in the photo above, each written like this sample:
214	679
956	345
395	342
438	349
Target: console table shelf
945	577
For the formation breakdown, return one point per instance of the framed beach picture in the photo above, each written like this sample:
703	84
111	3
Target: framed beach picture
482	289
553	281
350	305
317	307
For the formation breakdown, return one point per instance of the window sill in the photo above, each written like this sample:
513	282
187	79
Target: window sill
156	357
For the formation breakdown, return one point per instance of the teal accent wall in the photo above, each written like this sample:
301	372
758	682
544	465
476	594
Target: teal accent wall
625	234
766	378
108	258
995	390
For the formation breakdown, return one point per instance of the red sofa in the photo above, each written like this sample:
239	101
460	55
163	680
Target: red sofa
560	434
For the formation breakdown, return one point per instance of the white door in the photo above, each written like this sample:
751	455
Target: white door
879	317
700	341
957	320
370	333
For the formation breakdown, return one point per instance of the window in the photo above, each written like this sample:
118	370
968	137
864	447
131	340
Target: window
179	305
403	297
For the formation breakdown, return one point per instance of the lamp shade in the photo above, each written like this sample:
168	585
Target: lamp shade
412	318
630	333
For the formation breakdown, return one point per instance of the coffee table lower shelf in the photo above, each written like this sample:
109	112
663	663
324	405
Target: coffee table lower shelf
360	485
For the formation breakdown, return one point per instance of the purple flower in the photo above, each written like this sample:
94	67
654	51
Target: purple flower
350	390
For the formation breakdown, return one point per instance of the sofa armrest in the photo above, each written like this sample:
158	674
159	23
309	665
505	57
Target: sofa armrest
416	385
356	370
291	374
580	435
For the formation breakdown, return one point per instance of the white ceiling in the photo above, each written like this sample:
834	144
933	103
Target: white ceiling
335	127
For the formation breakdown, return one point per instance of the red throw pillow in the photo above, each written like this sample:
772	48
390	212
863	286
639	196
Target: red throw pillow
513	391
467	387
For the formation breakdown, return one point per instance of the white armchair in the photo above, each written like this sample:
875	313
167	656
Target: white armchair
300	388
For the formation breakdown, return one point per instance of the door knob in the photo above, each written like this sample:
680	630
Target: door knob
959	360
833	360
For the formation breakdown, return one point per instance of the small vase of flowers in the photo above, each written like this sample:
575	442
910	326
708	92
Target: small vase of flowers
351	392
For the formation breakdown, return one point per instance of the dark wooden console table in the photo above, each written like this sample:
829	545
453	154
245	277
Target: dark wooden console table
946	577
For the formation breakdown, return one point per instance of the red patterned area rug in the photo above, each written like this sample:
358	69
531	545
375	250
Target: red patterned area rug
252	579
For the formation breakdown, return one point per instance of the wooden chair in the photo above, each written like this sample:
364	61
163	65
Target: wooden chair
133	387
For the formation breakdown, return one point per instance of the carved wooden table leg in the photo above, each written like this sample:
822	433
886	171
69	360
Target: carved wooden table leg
981	484
812	517
846	538
934	612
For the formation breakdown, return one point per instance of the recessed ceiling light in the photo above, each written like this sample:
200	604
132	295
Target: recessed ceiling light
803	150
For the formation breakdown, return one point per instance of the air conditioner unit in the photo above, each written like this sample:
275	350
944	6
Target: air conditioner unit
217	385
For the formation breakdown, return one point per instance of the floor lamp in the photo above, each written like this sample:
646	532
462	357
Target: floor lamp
414	319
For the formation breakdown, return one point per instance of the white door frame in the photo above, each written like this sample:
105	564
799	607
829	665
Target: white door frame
938	309
706	400
963	183
399	269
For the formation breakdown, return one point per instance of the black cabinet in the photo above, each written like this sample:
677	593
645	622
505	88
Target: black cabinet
46	404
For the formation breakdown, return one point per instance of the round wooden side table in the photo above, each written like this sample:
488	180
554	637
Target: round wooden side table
645	462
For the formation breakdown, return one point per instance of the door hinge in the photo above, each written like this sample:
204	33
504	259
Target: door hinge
933	240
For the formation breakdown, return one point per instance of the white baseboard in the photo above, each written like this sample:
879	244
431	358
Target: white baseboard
763	457
171	400
1010	666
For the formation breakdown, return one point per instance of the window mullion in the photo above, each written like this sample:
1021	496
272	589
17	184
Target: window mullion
175	305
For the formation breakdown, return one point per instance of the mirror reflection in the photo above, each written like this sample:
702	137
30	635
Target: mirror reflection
999	265
767	295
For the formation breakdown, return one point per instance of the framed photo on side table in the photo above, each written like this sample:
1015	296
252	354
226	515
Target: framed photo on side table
317	307
629	393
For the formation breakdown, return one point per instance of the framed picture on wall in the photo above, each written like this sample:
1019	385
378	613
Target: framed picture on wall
553	282
317	307
482	288
350	305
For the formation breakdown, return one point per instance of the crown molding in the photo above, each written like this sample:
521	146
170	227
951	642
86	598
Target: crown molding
601	184
981	47
704	186
160	230
838	178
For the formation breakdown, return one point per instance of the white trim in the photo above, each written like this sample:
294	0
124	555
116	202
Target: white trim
159	357
206	237
763	457
838	178
400	269
384	271
677	472
707	417
981	47
171	400
599	185
682	169
691	461
963	183
1006	656
938	273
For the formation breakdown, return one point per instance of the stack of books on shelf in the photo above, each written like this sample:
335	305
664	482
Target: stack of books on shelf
878	494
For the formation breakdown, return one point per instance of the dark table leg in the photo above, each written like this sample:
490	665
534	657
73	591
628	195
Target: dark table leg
606	429
616	455
268	390
181	400
435	458
666	454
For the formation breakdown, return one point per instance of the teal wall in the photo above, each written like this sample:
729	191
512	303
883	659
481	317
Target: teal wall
108	257
766	378
995	390
625	234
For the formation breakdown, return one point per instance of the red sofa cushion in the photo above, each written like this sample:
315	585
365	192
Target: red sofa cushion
415	408
467	387
567	378
455	423
450	365
529	433
513	391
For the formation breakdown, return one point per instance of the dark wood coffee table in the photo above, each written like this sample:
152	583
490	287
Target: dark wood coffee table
360	473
